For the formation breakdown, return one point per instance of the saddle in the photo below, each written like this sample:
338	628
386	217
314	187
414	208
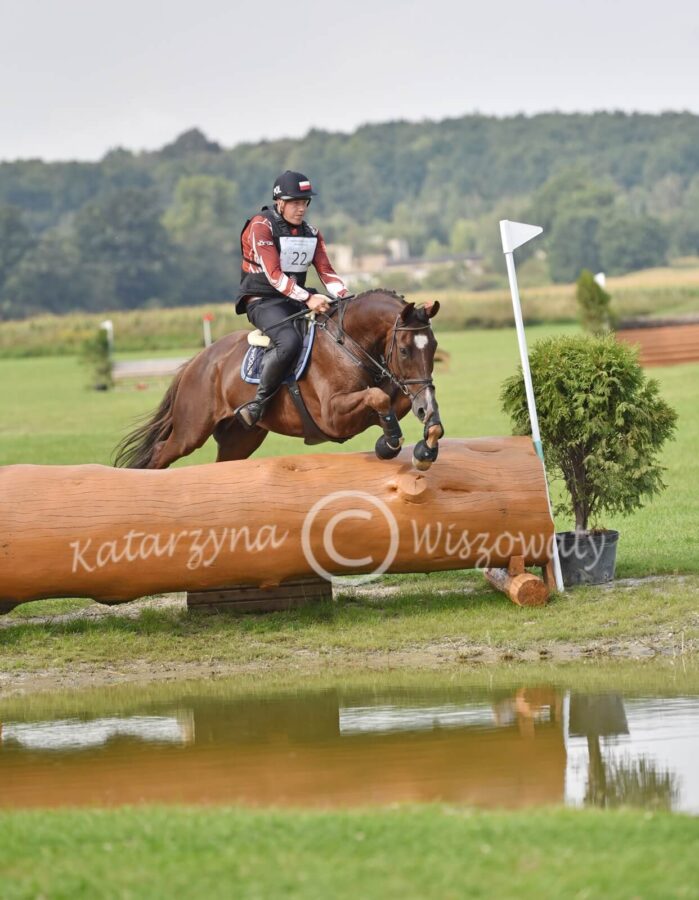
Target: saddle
251	367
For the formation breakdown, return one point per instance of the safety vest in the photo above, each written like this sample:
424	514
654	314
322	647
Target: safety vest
296	252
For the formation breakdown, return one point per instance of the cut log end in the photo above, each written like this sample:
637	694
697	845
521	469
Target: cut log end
524	590
412	488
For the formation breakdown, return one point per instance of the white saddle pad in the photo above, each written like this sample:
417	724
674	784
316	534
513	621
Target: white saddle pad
257	339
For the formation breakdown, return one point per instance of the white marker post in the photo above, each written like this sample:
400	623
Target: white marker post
513	235
206	323
108	326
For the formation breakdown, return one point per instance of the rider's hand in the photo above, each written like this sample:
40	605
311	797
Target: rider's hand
318	303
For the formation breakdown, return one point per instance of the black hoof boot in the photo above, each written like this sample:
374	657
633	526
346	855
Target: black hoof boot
384	450
389	444
424	455
249	414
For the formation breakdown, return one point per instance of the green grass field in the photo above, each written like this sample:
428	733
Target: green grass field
455	618
408	852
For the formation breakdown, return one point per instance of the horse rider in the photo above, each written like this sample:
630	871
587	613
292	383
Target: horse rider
278	247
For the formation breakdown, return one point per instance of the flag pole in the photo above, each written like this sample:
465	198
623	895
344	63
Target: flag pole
513	235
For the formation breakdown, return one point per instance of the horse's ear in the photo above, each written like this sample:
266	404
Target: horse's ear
431	308
407	311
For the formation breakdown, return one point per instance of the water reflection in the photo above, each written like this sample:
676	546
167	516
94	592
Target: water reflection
617	782
71	734
501	748
635	752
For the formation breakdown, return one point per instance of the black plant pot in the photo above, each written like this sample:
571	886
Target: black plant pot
587	557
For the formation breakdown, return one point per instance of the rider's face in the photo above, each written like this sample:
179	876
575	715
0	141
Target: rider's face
293	210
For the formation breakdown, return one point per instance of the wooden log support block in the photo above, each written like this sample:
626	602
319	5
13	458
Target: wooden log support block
549	575
523	588
118	534
247	598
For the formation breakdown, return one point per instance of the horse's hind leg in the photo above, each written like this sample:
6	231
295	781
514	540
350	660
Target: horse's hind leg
192	425
166	452
176	446
236	442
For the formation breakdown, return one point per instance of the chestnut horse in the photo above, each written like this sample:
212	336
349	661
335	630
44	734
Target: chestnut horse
371	363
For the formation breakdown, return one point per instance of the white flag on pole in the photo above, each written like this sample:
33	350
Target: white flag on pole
514	234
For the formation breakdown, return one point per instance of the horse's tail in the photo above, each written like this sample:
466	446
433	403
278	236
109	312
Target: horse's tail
135	450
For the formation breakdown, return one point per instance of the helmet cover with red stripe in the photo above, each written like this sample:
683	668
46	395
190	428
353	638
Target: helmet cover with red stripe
292	186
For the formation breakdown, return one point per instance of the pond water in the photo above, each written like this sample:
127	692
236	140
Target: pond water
214	743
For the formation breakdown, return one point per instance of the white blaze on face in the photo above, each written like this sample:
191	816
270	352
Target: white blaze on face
420	341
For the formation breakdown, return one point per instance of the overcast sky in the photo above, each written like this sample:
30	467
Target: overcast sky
78	77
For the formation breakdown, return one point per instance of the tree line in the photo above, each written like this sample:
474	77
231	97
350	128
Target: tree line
614	191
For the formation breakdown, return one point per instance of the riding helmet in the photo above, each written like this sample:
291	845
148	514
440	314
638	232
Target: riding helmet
292	186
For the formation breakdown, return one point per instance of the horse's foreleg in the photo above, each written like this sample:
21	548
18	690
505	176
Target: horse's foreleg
426	450
349	405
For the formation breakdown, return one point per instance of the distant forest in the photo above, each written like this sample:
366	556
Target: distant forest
614	192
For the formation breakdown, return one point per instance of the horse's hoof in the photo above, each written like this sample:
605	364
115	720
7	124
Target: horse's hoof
424	455
384	450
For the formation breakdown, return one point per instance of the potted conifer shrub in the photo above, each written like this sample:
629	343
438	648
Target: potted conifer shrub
603	425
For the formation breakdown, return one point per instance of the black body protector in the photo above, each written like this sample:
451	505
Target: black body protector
296	252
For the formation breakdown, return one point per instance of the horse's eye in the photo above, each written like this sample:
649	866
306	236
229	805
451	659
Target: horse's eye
403	351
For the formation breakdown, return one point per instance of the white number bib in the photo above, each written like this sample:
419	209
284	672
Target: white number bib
296	253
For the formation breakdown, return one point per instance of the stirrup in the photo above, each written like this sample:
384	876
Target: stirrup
249	422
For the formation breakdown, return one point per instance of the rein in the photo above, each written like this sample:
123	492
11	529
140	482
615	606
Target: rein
381	366
296	315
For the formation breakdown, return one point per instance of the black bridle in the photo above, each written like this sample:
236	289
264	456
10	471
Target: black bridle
381	366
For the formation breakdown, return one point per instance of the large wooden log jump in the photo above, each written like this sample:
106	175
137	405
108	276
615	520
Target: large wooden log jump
662	342
118	534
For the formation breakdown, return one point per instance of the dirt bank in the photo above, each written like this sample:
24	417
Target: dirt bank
661	627
430	656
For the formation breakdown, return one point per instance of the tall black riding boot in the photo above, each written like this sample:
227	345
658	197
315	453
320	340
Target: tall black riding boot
273	373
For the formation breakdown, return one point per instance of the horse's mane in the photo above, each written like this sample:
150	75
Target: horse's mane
386	291
418	313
